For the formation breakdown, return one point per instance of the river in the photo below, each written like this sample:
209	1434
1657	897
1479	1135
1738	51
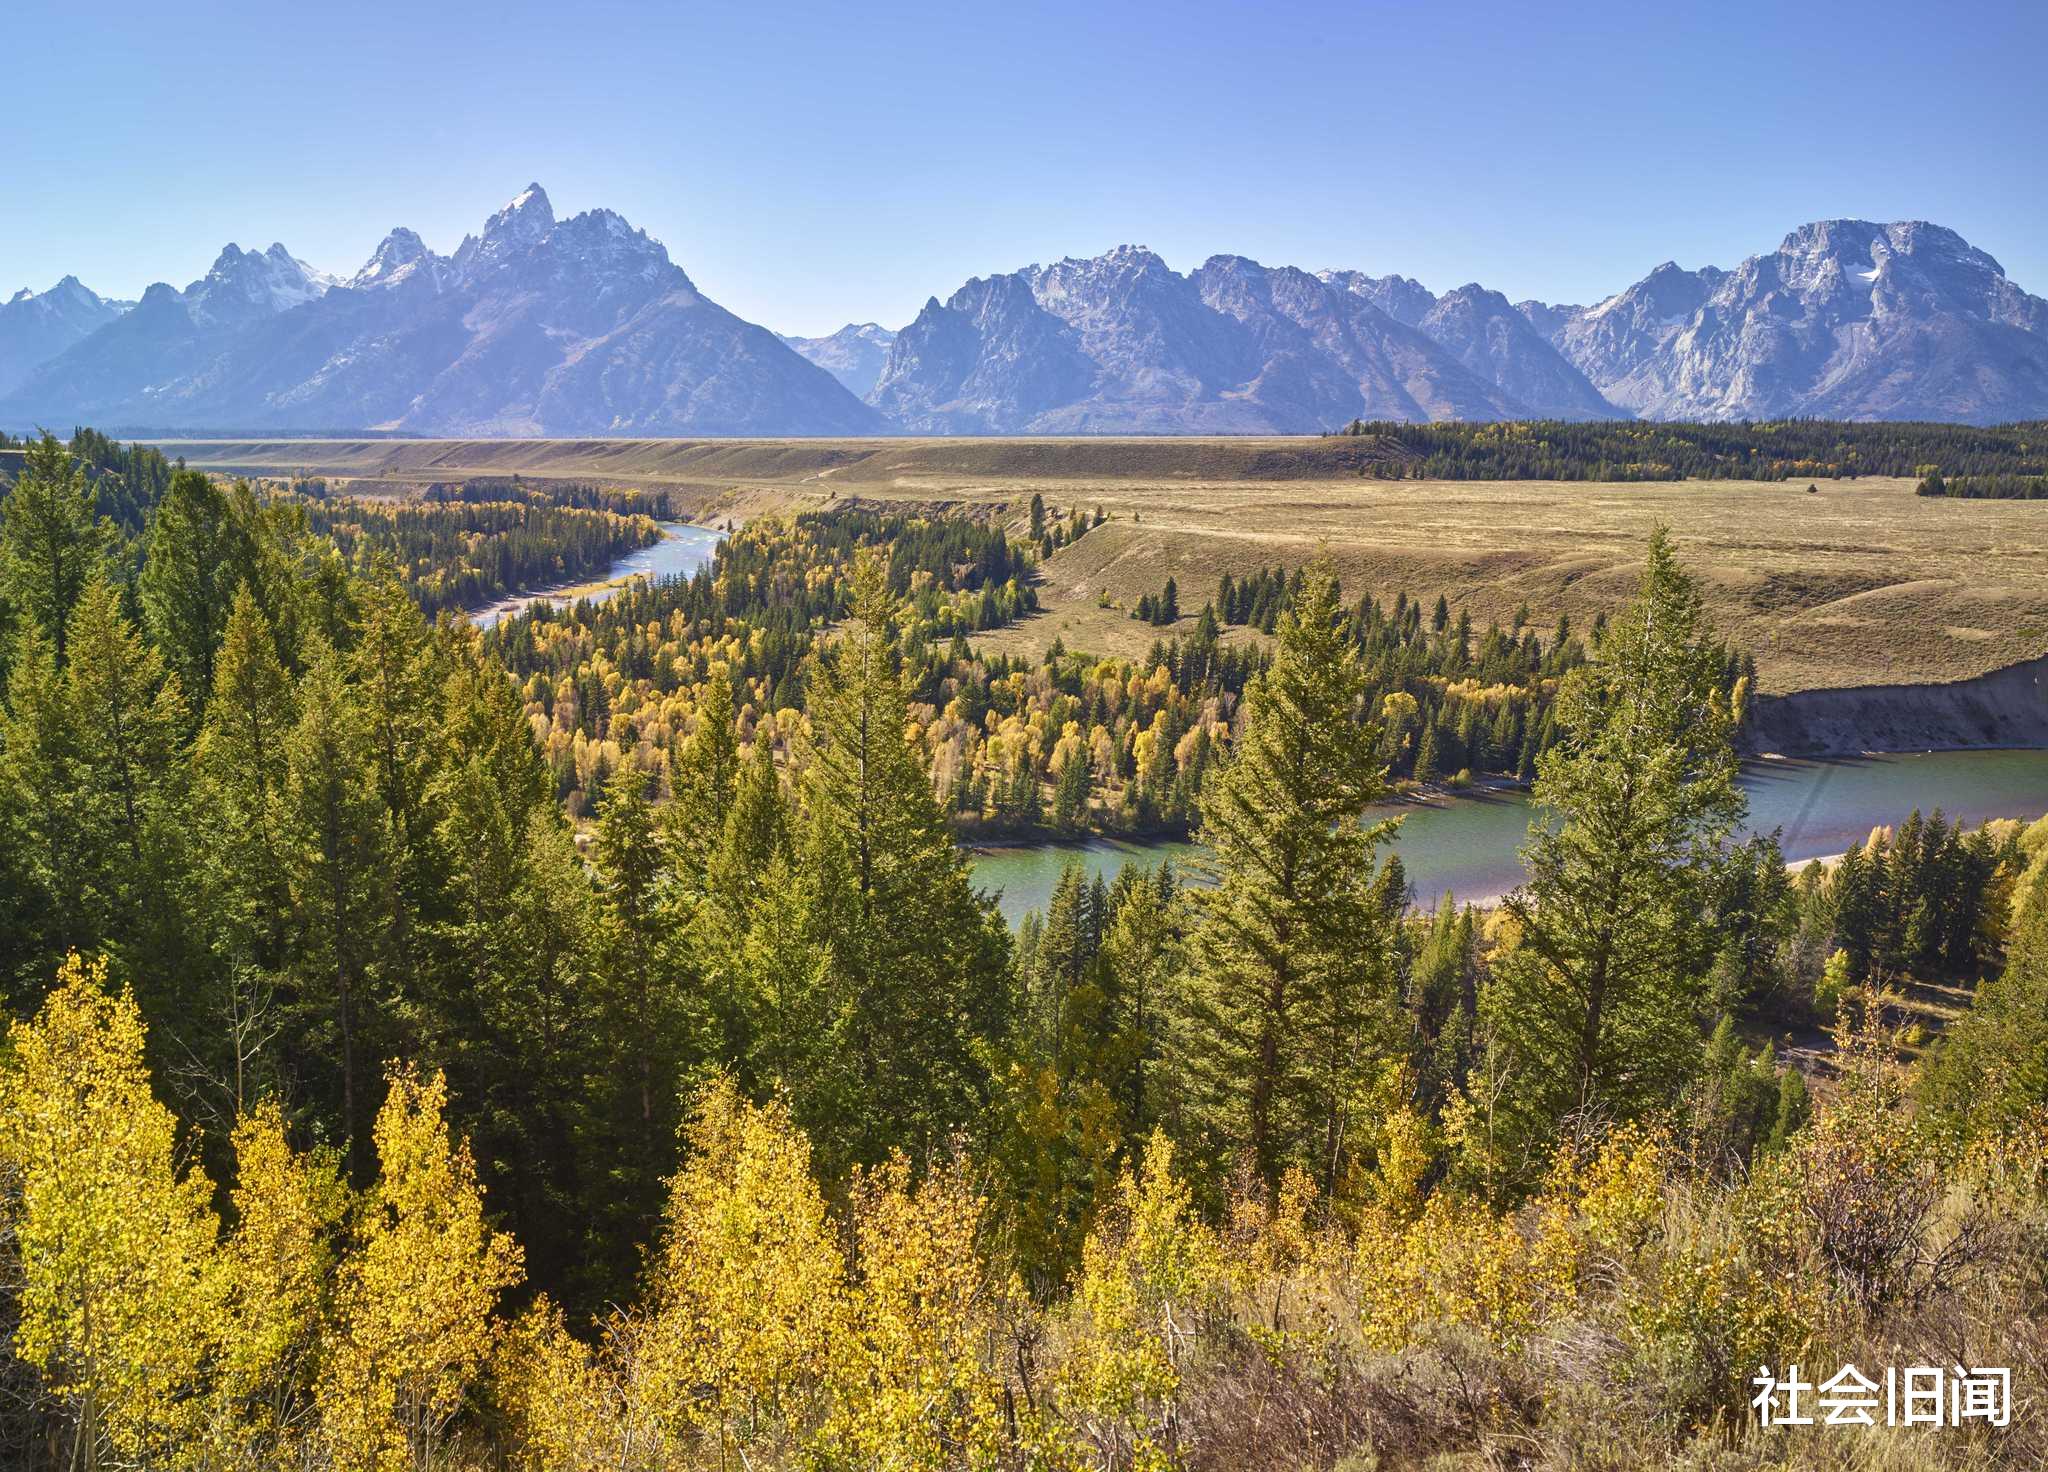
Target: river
683	549
1468	846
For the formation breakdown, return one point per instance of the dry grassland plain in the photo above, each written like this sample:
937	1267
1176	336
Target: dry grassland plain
1852	583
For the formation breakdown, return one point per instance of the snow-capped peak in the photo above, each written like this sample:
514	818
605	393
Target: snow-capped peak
525	219
243	283
70	289
401	255
522	224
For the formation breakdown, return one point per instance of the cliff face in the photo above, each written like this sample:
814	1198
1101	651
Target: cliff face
2007	707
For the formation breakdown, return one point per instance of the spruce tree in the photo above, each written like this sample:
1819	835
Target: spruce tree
702	772
1989	1075
914	959
43	827
1289	949
187	584
128	720
51	542
333	834
1597	1010
239	767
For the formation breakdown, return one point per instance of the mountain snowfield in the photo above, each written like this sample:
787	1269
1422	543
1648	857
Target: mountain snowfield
583	326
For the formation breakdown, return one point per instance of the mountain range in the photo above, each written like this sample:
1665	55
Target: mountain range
583	326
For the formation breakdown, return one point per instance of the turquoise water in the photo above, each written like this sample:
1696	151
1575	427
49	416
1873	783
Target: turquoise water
683	549
1468	846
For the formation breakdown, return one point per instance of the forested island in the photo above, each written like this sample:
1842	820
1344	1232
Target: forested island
580	1044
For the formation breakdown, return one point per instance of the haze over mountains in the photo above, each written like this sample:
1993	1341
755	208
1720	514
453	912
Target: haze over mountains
584	326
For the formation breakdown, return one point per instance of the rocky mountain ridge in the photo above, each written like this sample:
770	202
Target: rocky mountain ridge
584	326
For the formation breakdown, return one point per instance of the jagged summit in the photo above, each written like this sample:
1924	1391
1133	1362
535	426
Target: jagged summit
1847	319
36	326
535	325
400	255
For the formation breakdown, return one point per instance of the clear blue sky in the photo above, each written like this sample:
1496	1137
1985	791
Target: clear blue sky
810	164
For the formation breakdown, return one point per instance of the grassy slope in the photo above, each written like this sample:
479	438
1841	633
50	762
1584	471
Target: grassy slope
1861	583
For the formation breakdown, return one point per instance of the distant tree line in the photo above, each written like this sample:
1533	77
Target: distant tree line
1257	598
654	501
1986	487
1631	450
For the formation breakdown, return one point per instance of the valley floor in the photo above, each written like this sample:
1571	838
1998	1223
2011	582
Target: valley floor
1847	584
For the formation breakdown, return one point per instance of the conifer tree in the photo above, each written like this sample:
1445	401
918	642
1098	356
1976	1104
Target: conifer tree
51	542
128	723
703	771
489	788
649	1012
535	1059
1990	1070
127	715
333	836
1598	1008
399	678
239	767
1289	949
1141	956
187	585
1427	765
54	904
914	958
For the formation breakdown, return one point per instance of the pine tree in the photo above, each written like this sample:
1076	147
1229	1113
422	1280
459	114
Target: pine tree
1141	964
399	679
702	773
333	837
1427	767
1290	948
1070	792
1990	1070
650	1016
128	722
188	581
1596	1010
914	959
239	767
51	543
52	891
536	1058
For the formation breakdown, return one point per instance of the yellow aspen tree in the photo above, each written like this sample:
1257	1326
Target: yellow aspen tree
120	1298
922	1392
417	1294
1147	1272
749	1293
568	1410
280	1261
